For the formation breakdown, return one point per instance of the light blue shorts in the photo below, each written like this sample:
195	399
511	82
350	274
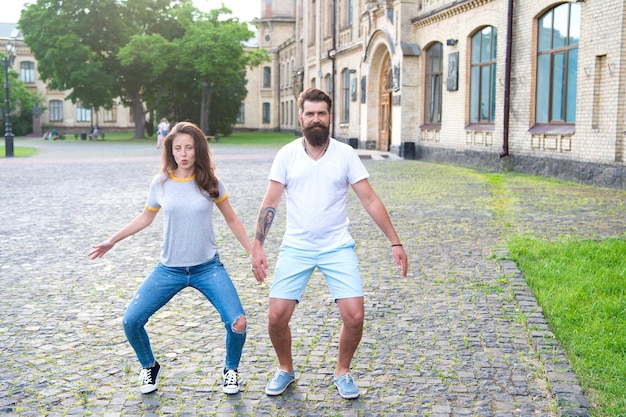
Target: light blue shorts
294	268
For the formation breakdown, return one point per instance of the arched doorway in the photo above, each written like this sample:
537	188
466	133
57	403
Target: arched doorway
384	110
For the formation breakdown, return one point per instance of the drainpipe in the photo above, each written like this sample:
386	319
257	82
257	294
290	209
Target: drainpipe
507	81
278	92
334	48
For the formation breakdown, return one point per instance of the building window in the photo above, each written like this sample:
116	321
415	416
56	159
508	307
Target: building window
328	27
282	113
329	84
241	117
312	21
345	96
557	64
110	115
432	84
349	12
267	77
55	110
27	72
82	114
483	76
266	112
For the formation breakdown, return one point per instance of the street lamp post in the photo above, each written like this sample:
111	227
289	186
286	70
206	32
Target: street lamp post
8	133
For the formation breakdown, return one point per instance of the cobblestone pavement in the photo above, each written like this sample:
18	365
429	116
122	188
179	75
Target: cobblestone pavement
451	339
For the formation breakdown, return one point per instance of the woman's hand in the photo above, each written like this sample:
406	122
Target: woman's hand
100	249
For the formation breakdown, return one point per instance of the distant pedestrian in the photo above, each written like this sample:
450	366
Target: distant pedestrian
186	190
162	130
315	172
94	133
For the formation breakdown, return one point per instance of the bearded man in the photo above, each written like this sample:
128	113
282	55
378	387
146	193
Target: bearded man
316	172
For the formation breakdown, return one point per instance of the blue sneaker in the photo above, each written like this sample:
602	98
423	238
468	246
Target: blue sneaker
346	386
279	383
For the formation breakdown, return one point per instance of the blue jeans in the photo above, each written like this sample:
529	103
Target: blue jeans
211	279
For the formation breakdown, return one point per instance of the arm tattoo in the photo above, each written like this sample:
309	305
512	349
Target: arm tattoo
266	217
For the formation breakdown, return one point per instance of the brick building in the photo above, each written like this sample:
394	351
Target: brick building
535	86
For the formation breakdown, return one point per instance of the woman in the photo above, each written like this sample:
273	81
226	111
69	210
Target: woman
162	131
186	190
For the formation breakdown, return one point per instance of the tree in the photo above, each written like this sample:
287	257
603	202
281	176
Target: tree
135	50
213	49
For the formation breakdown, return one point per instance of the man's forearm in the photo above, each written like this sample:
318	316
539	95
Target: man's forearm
264	223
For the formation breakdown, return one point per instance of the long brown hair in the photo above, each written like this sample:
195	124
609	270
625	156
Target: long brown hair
204	168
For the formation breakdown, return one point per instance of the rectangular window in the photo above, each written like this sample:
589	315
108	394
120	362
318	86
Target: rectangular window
241	117
349	12
27	72
267	77
82	114
55	110
312	22
266	112
345	96
110	115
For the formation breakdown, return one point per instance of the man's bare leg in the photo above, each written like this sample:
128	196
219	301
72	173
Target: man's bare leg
352	314
279	314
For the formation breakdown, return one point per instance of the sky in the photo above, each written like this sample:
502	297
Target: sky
245	10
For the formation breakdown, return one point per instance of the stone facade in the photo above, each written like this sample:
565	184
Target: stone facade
547	108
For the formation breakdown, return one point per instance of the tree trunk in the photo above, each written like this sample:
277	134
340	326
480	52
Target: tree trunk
139	116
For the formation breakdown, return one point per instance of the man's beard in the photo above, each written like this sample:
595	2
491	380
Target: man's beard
316	134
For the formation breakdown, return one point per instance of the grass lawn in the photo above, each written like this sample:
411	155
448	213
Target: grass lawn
236	138
18	151
269	139
581	286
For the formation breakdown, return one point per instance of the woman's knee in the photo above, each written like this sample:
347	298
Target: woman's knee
239	326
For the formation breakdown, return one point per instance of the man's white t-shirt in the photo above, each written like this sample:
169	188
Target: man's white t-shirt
316	193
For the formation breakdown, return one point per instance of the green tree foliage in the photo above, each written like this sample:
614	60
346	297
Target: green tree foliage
153	54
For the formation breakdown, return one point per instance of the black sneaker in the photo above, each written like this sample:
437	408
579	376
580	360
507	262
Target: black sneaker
149	378
231	381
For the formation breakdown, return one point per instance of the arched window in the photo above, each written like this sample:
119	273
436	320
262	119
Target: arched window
432	84
483	76
557	64
27	72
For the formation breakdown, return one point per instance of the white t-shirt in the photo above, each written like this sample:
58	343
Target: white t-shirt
188	235
316	193
164	128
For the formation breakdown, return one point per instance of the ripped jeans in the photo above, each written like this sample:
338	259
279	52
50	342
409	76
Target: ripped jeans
211	279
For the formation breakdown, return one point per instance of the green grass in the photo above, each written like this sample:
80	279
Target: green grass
269	139
236	138
581	286
18	151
